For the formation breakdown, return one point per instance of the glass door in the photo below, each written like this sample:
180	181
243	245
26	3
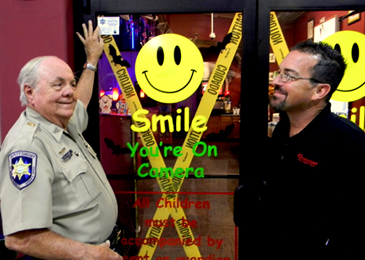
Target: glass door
169	90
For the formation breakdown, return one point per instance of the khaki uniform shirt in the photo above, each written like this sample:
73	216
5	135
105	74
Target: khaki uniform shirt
52	179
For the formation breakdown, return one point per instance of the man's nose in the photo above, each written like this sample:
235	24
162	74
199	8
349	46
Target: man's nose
277	81
69	90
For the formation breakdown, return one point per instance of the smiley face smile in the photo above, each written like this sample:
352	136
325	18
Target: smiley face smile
192	74
349	90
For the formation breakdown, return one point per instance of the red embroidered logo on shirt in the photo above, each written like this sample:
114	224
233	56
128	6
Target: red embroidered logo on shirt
306	161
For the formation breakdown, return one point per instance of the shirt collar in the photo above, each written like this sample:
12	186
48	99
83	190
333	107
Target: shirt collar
310	128
51	128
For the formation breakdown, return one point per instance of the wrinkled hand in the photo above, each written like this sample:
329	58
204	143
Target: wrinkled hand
92	42
104	252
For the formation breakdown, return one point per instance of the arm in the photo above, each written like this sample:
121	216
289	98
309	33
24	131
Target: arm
45	244
94	46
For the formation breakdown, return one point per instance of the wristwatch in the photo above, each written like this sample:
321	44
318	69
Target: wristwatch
90	66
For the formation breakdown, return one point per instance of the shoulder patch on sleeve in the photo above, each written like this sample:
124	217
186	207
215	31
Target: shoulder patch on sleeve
22	168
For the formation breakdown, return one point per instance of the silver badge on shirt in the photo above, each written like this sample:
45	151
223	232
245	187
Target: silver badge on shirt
67	156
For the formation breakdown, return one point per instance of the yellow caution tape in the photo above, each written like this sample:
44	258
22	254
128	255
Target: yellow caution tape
173	185
277	40
148	140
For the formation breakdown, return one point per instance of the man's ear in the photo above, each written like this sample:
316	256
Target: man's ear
28	91
321	91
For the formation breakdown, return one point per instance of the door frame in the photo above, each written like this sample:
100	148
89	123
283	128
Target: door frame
88	9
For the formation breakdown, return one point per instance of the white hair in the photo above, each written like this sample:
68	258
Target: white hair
29	75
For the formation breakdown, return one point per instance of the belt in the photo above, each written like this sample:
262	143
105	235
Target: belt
114	239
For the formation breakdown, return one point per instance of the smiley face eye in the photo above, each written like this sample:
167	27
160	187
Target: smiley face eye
177	55
338	48
160	55
355	52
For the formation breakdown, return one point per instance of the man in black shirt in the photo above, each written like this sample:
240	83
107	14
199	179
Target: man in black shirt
314	195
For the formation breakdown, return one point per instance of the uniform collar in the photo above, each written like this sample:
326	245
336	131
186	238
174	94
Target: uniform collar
51	128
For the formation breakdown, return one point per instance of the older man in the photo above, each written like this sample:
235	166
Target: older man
56	201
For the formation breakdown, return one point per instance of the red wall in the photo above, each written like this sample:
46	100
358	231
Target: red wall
302	34
297	31
30	28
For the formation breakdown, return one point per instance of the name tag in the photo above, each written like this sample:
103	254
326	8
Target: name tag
67	156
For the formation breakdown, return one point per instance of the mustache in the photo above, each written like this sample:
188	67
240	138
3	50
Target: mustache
280	90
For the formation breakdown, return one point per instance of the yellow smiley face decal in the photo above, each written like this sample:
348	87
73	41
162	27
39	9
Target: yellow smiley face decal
169	68
351	44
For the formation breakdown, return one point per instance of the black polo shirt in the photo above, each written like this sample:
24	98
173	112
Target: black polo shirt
315	188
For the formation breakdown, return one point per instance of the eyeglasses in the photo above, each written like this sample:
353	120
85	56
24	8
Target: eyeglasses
285	77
